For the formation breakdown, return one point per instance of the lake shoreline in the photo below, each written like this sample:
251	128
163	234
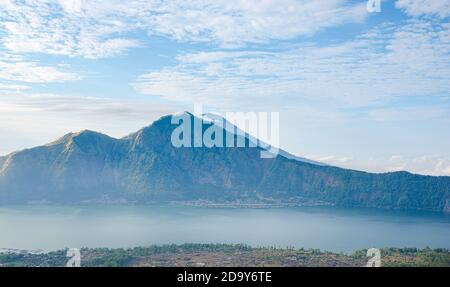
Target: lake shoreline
226	255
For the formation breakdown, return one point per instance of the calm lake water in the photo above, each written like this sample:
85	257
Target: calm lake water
57	227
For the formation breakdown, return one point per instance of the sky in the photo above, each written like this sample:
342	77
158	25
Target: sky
353	88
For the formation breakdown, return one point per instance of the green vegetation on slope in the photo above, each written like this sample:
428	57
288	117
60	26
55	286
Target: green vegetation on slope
229	255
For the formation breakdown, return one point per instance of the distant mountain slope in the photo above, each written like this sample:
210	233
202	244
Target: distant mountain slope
213	117
2	161
144	166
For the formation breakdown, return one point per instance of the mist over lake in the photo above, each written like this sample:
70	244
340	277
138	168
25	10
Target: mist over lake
56	227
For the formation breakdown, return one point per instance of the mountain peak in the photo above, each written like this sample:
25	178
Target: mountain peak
80	136
87	165
156	130
86	132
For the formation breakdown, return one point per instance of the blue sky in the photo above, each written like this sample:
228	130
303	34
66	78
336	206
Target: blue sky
356	89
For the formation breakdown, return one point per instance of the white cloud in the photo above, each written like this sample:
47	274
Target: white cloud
86	106
96	29
427	164
235	23
430	165
388	62
13	87
420	113
332	159
32	72
59	27
71	6
440	8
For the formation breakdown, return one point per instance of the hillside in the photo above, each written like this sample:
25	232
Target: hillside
145	167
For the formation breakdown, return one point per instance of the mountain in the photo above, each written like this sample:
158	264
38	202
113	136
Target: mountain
146	167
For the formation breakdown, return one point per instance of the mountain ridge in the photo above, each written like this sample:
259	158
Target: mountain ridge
144	167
